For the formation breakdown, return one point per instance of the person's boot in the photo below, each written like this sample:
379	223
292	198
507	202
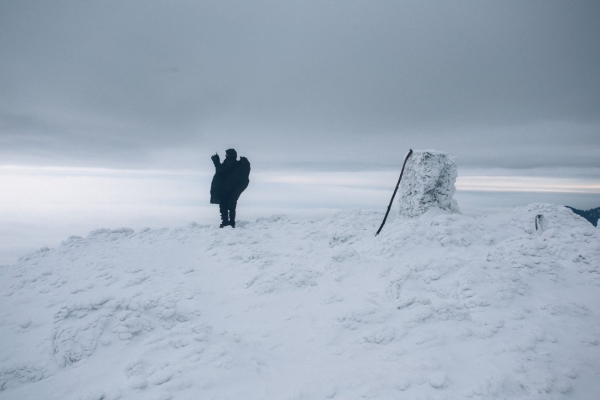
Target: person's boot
224	219
232	218
224	215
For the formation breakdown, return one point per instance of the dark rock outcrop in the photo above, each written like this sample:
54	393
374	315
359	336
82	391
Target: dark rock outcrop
591	215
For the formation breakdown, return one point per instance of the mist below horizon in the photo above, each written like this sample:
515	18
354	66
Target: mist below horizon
40	207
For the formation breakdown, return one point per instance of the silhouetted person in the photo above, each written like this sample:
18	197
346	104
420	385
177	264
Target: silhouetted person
230	180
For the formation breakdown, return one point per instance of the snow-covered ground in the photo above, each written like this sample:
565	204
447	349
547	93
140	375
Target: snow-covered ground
443	306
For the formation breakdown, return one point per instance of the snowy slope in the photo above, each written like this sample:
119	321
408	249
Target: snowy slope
443	306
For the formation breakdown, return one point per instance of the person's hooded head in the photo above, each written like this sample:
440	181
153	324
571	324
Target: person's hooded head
231	153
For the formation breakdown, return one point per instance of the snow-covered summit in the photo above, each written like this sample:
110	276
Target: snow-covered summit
440	306
428	183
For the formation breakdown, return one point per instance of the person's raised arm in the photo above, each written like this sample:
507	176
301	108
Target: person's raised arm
216	160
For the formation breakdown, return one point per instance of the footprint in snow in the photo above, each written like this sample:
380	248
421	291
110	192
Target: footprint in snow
438	380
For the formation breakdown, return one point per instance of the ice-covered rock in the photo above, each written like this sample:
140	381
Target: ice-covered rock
428	183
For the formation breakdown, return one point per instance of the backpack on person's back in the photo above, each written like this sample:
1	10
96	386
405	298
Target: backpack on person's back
243	169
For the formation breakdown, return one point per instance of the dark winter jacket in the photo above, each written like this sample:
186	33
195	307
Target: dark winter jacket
230	179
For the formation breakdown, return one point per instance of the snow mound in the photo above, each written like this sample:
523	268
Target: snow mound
428	183
441	306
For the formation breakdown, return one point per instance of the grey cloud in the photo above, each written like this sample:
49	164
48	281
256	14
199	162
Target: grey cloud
507	84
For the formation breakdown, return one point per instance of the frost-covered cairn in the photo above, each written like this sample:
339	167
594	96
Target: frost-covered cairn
428	183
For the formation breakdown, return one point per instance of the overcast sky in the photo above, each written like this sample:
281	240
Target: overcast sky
319	84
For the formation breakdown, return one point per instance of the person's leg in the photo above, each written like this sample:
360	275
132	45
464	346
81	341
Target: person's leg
223	208
232	206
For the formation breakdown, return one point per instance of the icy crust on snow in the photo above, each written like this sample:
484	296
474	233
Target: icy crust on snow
441	306
428	183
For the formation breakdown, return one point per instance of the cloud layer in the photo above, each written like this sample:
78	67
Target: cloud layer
337	84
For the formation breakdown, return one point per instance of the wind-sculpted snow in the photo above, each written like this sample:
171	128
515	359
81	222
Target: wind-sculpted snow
428	184
441	306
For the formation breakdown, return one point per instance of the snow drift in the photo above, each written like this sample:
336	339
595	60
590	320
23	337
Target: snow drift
437	307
